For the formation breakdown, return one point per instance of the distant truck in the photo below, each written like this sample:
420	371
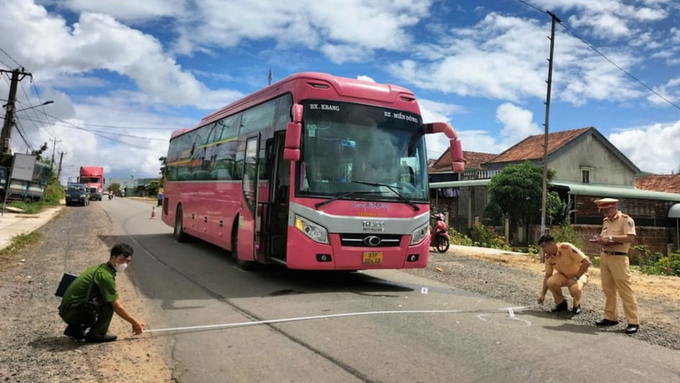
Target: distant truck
93	178
27	191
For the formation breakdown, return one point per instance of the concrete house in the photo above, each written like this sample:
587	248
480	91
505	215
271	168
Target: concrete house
588	167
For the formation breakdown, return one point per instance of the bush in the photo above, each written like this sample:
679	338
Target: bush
54	193
662	265
566	233
459	238
483	236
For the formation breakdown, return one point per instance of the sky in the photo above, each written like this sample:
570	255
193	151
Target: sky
123	74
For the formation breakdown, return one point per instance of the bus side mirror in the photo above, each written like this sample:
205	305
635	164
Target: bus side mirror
456	149
296	113
457	160
291	151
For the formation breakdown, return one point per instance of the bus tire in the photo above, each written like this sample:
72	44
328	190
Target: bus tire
178	232
243	265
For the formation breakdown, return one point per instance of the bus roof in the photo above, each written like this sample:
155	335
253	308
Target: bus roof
308	85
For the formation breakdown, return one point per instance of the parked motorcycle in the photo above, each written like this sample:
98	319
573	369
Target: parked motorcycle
440	234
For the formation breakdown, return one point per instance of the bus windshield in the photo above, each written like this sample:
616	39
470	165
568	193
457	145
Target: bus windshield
361	151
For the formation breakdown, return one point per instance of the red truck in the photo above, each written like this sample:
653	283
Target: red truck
93	177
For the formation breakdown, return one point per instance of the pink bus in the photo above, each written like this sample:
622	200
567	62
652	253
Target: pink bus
313	172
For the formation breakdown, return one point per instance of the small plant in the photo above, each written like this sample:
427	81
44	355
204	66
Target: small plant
663	265
566	233
458	238
483	236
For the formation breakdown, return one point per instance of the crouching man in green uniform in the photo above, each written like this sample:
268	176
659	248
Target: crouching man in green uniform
100	280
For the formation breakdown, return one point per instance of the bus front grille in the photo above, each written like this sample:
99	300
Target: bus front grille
370	240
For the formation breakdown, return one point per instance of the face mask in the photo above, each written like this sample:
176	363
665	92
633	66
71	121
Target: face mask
120	267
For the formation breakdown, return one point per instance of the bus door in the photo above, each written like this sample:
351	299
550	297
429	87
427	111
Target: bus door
279	195
250	214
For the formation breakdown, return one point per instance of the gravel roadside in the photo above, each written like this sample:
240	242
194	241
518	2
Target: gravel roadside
517	279
33	348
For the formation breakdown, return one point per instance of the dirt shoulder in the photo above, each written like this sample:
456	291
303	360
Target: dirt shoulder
33	348
517	278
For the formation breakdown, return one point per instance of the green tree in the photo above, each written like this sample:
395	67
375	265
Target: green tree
164	166
557	210
115	187
517	191
153	187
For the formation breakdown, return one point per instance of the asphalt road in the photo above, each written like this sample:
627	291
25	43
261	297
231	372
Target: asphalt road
399	327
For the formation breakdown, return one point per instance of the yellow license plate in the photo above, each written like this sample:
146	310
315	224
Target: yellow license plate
373	257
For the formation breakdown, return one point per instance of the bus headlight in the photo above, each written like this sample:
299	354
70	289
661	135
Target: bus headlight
419	234
314	231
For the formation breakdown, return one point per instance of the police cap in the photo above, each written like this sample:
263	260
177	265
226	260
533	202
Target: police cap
605	203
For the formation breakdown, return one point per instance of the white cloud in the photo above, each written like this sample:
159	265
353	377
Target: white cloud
518	123
505	58
127	10
661	139
51	49
608	19
344	30
669	91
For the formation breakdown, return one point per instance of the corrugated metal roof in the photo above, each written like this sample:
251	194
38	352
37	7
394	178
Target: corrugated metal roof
459	184
615	191
580	189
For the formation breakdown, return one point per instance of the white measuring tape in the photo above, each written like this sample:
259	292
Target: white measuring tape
255	323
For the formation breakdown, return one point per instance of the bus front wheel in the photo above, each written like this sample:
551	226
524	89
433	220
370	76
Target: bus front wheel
179	233
243	265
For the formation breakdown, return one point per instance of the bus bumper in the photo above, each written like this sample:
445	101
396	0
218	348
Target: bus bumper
305	254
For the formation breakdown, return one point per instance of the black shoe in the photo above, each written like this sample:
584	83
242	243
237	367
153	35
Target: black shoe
100	338
606	323
74	332
560	308
632	328
576	310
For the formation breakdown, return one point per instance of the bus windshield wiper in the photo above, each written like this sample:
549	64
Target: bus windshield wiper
393	190
341	196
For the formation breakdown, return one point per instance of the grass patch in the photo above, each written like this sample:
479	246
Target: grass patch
19	242
30	208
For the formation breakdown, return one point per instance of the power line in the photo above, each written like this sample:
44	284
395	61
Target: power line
619	68
37	93
531	6
10	57
591	46
73	126
20	129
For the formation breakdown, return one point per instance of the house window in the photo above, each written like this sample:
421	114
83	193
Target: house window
585	176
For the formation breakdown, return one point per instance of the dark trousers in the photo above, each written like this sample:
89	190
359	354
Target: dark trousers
100	327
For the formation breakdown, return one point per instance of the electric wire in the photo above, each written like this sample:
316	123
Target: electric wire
11	58
591	46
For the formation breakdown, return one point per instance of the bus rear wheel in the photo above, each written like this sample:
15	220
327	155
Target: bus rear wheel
180	235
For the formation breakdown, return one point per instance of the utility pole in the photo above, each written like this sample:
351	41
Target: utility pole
11	108
544	198
61	159
54	146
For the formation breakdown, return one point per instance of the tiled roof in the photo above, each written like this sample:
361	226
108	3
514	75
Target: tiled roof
531	148
473	160
669	183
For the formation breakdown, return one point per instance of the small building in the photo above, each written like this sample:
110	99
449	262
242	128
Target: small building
587	167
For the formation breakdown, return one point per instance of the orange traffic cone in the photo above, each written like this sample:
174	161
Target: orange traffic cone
153	212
